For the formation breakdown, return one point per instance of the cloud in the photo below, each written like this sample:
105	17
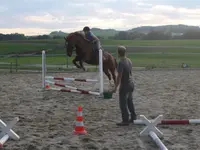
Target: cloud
28	31
3	9
44	16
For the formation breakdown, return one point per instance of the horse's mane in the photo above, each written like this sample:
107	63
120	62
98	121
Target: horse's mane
78	33
67	37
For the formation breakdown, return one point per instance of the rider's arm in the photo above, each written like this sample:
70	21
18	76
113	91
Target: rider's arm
89	37
92	37
95	38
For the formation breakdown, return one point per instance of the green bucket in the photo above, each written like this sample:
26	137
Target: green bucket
107	95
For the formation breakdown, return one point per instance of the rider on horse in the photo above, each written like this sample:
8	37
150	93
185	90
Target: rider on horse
92	38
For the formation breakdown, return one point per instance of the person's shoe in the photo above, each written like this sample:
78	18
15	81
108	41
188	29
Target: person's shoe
132	119
123	123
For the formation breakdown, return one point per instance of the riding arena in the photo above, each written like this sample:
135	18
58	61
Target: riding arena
38	113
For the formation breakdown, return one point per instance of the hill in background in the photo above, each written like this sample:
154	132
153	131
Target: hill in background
57	33
166	28
106	33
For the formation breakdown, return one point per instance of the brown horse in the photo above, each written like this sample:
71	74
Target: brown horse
84	53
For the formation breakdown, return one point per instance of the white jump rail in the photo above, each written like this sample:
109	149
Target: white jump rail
153	131
74	89
7	131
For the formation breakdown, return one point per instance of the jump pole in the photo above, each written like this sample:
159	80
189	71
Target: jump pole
73	79
70	79
171	122
73	89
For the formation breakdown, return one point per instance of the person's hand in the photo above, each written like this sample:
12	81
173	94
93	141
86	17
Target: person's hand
87	40
93	42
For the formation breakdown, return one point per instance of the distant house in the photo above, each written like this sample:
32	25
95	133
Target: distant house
176	34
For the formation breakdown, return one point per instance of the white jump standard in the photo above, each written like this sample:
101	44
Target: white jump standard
7	132
72	89
152	131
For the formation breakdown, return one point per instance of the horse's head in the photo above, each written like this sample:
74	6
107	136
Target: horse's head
69	43
72	40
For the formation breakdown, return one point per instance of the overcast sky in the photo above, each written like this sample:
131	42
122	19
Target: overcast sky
33	17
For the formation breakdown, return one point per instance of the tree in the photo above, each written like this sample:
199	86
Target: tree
192	34
157	35
122	35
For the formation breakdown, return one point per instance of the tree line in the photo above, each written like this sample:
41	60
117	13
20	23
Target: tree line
17	36
122	35
156	35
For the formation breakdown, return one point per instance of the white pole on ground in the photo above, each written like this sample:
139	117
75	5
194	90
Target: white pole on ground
153	131
3	140
6	129
157	140
101	72
43	68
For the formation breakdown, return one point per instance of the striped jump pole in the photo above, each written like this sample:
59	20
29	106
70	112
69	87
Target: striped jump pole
76	91
44	77
71	87
171	122
152	131
70	79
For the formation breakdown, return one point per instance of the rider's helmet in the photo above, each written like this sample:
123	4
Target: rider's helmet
86	29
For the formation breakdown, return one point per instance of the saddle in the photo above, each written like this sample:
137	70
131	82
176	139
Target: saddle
95	50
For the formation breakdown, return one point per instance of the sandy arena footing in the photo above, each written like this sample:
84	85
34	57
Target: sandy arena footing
46	119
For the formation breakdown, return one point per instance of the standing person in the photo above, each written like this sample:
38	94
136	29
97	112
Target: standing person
126	89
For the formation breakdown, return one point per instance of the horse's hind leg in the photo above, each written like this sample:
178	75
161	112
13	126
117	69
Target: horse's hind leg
112	70
106	71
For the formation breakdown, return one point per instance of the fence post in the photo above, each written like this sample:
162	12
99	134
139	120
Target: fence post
16	62
11	67
67	62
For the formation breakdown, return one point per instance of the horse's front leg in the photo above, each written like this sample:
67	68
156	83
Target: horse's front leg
74	62
81	64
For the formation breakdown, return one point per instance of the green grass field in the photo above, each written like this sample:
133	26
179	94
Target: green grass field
58	45
141	56
123	42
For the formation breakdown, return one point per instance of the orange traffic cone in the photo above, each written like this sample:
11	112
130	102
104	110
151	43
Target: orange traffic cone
79	127
47	86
